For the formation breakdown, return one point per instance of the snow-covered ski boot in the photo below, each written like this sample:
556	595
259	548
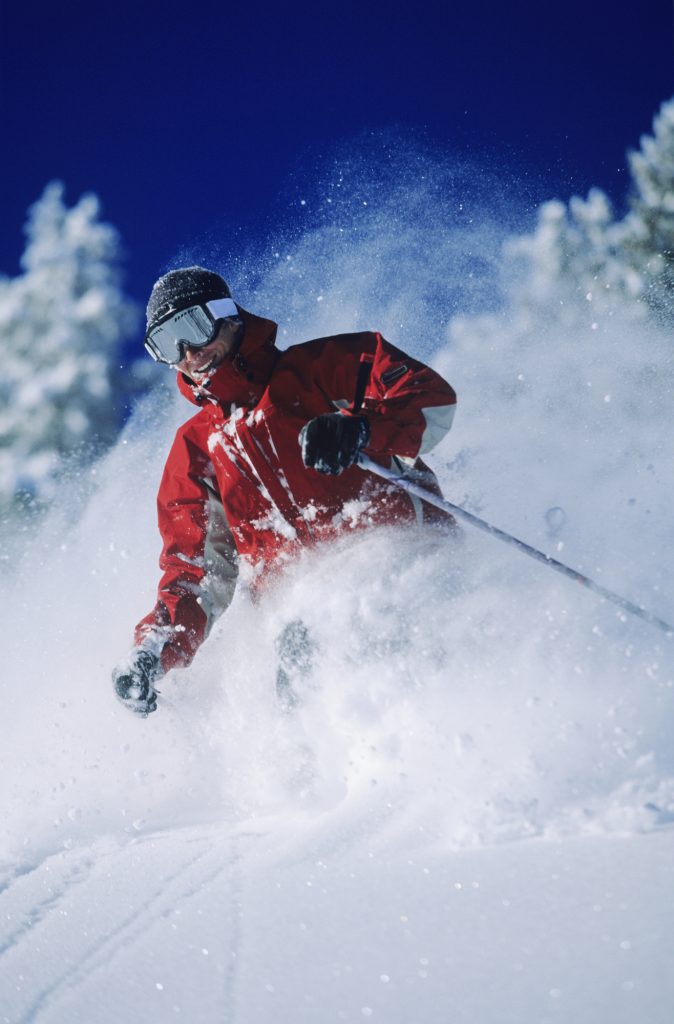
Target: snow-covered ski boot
295	651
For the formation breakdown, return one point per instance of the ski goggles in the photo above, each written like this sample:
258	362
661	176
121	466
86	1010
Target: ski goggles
193	328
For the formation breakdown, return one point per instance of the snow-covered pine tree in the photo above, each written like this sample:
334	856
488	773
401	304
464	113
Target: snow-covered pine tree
581	249
649	227
61	325
577	256
580	288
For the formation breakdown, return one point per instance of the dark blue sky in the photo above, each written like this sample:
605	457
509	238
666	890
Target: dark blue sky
197	119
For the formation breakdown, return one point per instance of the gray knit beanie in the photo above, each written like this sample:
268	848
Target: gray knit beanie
182	288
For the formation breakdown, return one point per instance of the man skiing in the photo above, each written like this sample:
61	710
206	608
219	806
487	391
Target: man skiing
269	463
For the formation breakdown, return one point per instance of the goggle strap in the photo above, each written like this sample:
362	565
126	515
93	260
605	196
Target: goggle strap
222	308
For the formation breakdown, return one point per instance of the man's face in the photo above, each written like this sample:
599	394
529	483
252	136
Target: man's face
198	362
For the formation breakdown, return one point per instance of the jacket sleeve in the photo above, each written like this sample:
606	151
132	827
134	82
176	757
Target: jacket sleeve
198	559
409	407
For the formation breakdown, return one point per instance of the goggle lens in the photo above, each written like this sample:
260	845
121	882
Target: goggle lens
194	327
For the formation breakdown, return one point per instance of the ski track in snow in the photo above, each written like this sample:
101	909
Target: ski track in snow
73	874
83	959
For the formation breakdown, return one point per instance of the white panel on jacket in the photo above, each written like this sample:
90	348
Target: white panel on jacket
439	419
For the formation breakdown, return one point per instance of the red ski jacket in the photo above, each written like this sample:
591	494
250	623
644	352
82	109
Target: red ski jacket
235	492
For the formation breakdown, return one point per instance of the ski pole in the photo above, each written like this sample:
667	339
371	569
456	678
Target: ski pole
420	492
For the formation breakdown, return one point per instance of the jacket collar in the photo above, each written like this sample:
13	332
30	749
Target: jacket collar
242	378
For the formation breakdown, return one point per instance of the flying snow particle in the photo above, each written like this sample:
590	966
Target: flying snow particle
555	517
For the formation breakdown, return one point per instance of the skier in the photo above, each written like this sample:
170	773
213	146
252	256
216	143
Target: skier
269	462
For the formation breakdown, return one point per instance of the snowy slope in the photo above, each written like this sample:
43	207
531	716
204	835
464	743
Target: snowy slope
468	817
317	923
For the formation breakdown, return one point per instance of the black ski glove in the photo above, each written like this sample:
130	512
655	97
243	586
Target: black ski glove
332	442
134	681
